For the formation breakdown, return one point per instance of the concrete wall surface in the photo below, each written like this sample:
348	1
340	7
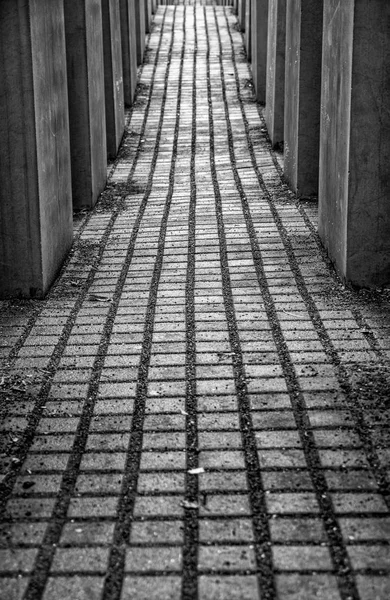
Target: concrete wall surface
274	111
248	29
241	13
87	120
129	49
259	38
140	29
35	201
113	75
148	15
354	189
302	108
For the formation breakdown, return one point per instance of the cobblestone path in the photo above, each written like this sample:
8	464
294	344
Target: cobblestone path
199	409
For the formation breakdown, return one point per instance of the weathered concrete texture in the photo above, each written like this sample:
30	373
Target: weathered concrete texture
35	191
113	75
354	189
274	112
129	49
241	9
87	120
248	29
302	108
140	29
148	15
259	21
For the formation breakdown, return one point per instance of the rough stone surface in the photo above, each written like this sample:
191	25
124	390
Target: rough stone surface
35	202
199	408
355	141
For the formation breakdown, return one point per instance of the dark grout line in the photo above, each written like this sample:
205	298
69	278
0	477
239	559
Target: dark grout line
116	564
45	556
329	348
339	555
261	530
191	526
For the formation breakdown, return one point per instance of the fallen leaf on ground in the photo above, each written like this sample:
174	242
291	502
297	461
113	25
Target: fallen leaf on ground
187	504
196	471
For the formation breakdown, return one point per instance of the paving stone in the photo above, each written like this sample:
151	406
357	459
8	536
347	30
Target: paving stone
297	558
154	559
82	588
151	588
300	586
236	587
227	558
69	560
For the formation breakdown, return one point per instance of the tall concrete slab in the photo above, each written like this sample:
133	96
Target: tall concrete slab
140	29
87	119
113	75
148	15
248	29
274	110
35	191
259	19
302	102
129	49
354	188
241	14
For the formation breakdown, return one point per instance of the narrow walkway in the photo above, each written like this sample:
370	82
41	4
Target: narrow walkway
199	409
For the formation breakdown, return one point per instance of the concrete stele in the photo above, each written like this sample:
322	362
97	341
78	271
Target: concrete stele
302	99
248	29
259	38
148	15
274	110
113	75
87	120
241	9
129	49
354	188
35	192
140	29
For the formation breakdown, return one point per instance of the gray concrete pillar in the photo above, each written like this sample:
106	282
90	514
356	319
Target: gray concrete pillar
354	188
241	14
248	29
302	99
87	120
113	75
140	29
274	110
129	49
259	20
35	190
148	15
